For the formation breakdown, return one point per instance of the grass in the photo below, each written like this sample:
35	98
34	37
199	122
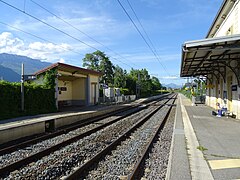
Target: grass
201	148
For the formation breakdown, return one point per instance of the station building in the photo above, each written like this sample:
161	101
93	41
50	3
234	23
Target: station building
75	86
217	58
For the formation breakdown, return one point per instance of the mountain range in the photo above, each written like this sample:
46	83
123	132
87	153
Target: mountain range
11	66
172	85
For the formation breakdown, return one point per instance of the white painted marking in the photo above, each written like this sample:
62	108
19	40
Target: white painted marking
202	117
198	166
172	142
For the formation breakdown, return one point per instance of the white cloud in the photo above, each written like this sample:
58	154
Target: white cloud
38	50
10	44
61	60
38	46
101	27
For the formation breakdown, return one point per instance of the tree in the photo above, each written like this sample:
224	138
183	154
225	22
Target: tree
98	61
144	83
131	84
156	83
92	60
107	68
119	77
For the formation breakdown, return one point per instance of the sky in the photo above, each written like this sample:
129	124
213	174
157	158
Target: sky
64	31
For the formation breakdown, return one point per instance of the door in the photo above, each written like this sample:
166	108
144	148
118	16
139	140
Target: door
209	94
93	93
221	90
229	88
216	92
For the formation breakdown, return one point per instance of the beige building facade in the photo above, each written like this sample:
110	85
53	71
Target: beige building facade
75	86
217	59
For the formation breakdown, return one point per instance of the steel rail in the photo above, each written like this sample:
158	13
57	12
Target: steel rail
65	129
62	130
136	170
81	171
11	167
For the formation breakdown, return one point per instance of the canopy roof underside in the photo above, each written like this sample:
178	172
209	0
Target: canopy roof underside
211	57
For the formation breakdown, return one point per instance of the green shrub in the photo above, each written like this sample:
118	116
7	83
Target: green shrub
125	91
37	99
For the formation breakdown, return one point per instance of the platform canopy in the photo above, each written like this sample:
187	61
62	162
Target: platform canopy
210	57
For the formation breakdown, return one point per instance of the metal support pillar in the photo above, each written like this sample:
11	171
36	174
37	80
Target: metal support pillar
22	88
87	90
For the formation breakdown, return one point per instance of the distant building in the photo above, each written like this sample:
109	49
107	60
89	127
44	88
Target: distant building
75	86
217	58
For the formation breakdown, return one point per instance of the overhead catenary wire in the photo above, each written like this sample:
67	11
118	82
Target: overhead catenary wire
74	27
47	24
43	39
144	39
145	32
141	24
38	37
57	29
24	5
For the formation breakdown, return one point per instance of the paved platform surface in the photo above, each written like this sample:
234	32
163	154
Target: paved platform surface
204	146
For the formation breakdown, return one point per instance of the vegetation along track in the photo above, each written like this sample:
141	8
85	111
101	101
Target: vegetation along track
34	152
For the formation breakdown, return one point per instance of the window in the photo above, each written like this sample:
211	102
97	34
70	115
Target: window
229	31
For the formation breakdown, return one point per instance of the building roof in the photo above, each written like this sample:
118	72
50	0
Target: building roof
207	56
220	17
69	68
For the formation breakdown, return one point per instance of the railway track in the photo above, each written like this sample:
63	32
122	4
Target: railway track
154	160
19	144
78	134
124	158
13	146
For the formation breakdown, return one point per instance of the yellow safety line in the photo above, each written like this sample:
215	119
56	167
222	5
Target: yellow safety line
224	164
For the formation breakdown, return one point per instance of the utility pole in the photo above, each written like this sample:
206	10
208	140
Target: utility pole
22	88
138	87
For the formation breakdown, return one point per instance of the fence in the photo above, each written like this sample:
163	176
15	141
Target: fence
117	99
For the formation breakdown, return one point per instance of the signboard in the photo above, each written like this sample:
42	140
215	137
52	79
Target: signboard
104	86
234	87
62	88
28	77
210	86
